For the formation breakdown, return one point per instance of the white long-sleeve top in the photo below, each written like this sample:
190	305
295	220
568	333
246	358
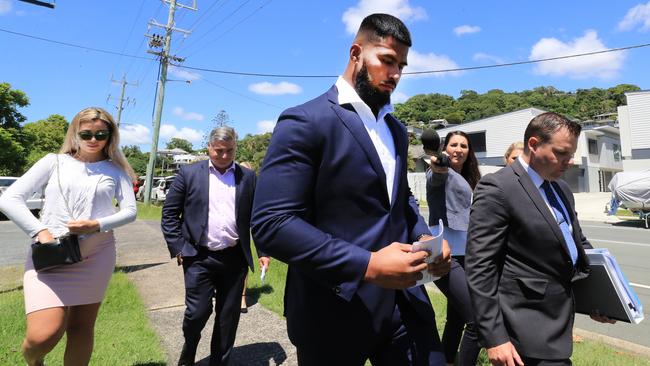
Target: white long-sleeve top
88	189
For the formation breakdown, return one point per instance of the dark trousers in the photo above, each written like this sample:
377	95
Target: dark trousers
459	315
539	362
411	342
220	275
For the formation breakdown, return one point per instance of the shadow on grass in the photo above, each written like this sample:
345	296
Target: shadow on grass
137	267
253	293
254	354
149	364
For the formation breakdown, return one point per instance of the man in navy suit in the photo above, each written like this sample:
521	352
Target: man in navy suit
333	202
206	223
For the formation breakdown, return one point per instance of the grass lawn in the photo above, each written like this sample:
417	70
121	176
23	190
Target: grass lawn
149	212
123	335
591	353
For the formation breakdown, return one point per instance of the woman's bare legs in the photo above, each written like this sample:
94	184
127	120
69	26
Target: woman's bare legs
44	330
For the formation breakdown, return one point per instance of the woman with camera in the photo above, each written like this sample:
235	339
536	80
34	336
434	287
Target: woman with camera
80	184
451	178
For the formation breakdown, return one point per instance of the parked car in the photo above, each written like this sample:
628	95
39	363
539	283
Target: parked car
35	200
159	189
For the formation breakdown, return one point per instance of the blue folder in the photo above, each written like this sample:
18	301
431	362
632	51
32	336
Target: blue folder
607	291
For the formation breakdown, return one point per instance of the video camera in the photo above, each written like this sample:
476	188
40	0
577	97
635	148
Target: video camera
431	142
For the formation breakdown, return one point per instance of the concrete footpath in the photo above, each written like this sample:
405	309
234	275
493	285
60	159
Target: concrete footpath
141	252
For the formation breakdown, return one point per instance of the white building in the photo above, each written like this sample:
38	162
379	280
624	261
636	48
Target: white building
595	162
634	122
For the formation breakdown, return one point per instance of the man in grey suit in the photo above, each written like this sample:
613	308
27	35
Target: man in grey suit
525	248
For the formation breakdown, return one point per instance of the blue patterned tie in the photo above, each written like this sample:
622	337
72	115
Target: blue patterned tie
562	220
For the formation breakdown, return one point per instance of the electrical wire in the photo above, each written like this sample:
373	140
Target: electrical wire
259	74
231	28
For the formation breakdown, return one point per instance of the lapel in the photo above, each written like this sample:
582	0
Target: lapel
204	188
536	197
399	139
238	189
353	123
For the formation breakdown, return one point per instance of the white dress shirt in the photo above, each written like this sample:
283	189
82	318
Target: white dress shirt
221	231
377	129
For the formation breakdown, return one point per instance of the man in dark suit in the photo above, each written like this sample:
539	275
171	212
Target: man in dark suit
525	248
333	202
206	223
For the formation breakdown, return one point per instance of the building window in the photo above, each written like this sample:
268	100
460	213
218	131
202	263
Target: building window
617	152
477	139
593	146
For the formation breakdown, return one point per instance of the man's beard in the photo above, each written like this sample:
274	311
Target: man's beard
371	95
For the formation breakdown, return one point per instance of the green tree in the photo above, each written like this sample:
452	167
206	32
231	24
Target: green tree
13	142
45	136
10	101
12	152
136	158
180	143
252	148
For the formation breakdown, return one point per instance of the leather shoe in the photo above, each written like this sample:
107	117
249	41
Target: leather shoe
187	357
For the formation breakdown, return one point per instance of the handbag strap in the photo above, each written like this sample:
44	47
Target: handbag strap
58	178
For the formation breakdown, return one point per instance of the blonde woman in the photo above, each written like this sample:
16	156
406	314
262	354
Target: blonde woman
80	184
514	150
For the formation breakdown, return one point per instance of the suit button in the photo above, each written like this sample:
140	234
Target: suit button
337	289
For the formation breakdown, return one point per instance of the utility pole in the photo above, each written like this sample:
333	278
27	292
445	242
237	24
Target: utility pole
121	99
157	41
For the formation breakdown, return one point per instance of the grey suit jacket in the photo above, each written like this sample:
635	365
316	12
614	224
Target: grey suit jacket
519	271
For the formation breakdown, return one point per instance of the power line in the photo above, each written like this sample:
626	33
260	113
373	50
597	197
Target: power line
468	68
73	45
240	94
231	28
240	73
218	24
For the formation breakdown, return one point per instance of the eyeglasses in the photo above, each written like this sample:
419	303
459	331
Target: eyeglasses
100	135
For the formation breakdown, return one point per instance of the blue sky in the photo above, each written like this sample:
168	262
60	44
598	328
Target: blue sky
302	37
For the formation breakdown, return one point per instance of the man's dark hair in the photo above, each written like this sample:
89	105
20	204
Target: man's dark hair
544	125
383	26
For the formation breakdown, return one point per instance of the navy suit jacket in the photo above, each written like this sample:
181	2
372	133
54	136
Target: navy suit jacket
185	212
321	205
519	270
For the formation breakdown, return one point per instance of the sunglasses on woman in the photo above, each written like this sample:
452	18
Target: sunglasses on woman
100	135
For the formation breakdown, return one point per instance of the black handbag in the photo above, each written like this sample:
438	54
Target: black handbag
63	250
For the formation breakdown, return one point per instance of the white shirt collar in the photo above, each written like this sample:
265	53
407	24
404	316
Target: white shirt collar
347	95
534	176
230	168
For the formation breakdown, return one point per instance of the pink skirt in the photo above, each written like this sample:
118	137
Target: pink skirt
76	284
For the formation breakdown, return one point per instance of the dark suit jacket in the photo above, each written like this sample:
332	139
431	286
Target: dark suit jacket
322	206
519	271
185	212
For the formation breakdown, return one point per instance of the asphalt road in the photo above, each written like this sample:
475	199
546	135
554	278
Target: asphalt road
628	241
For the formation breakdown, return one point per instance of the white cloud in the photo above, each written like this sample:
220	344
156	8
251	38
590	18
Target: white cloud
466	29
168	131
134	134
188	116
399	8
183	74
603	66
430	61
638	15
480	56
280	88
5	7
398	97
265	126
